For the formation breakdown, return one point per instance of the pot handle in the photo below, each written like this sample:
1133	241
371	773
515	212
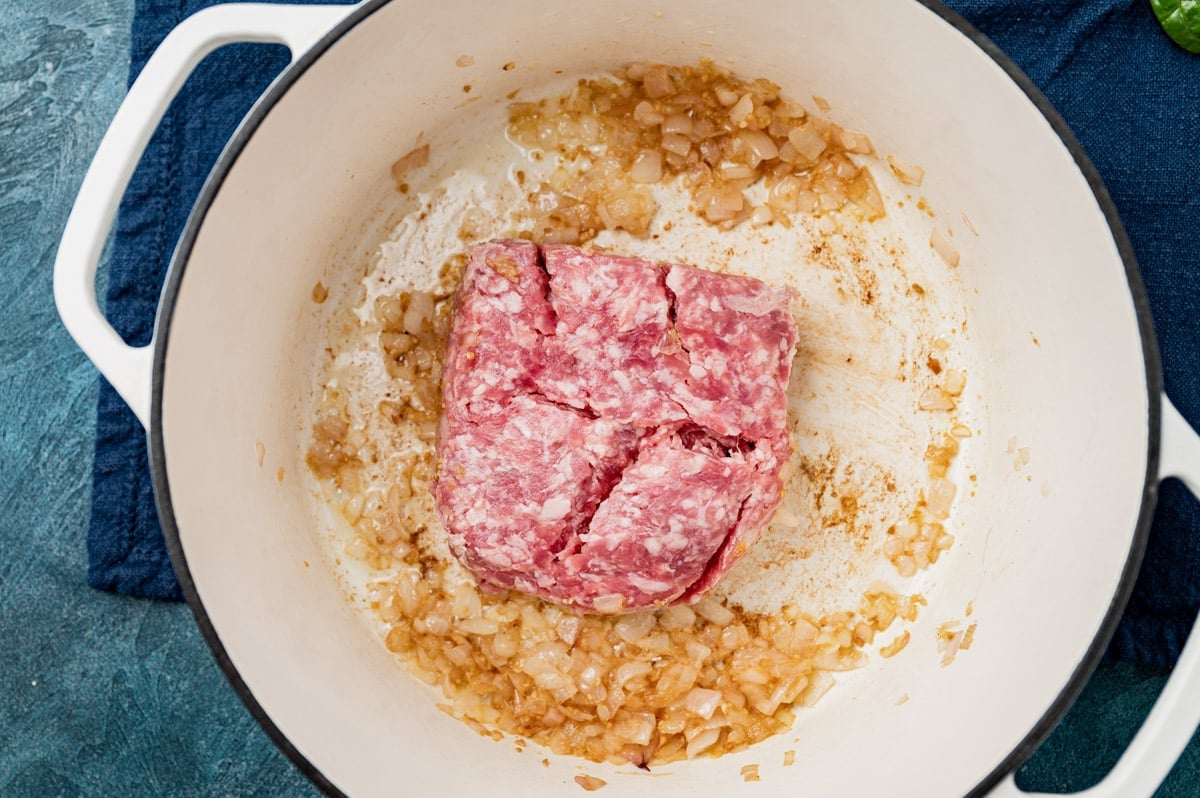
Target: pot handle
128	368
1176	714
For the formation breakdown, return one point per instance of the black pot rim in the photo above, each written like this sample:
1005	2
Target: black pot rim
1083	670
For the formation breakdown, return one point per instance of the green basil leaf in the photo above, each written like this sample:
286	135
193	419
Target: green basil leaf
1181	21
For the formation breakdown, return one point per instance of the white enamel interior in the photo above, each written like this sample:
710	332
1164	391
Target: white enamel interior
1039	558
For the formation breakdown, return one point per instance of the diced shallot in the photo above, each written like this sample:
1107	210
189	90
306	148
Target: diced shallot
714	611
942	246
647	167
702	702
906	173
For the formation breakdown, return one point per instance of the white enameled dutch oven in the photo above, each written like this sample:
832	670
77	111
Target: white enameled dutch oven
1048	572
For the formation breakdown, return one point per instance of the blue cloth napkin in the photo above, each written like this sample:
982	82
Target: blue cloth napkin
1127	91
126	552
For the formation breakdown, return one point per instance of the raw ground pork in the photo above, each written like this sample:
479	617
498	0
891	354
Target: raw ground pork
613	433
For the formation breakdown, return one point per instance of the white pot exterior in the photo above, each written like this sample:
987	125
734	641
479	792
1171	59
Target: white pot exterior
1041	566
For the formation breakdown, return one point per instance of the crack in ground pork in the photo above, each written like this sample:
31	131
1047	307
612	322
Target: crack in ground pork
614	429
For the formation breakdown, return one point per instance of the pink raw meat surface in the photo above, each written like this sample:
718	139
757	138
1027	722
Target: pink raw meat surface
614	432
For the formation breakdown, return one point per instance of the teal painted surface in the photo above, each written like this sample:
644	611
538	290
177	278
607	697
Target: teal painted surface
100	695
104	695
